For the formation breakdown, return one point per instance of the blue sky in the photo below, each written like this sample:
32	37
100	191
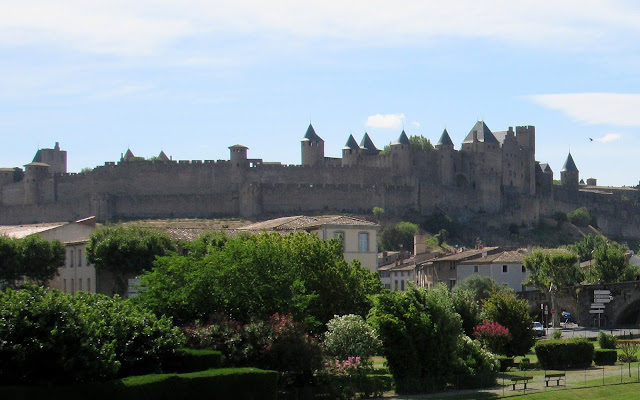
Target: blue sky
194	77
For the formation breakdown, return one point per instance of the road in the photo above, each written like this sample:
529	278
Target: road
573	330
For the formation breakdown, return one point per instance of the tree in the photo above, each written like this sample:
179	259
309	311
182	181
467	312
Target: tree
505	308
585	247
350	336
420	143
468	308
398	237
378	212
579	217
423	341
611	265
32	257
126	251
256	276
480	286
551	269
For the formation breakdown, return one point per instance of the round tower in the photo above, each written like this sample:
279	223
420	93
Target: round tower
35	174
401	154
350	152
312	147
445	153
238	156
569	174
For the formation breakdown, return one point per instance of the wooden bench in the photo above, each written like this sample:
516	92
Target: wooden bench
554	377
521	379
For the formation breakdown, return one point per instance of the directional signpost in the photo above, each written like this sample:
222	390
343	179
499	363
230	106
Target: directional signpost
600	299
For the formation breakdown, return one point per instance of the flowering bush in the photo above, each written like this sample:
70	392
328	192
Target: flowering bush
345	379
493	336
279	344
477	367
629	349
350	336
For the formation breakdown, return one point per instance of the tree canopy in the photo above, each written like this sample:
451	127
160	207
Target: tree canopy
32	257
255	276
608	259
479	286
398	237
557	267
505	308
126	251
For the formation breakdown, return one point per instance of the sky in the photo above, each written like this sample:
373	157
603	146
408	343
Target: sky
193	77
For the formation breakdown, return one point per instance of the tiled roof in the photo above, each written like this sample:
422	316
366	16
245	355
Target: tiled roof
21	231
516	256
463	255
351	143
302	222
162	156
403	139
367	143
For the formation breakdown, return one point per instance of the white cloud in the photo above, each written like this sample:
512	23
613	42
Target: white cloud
415	123
609	137
385	121
145	27
617	109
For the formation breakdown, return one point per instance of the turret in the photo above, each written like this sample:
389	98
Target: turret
312	147
480	138
128	156
35	176
367	146
238	156
350	152
445	158
445	141
569	174
401	154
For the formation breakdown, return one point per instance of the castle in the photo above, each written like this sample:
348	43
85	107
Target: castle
493	175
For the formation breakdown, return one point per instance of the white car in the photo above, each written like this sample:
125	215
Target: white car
538	329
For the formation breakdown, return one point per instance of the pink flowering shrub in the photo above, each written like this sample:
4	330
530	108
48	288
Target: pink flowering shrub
493	336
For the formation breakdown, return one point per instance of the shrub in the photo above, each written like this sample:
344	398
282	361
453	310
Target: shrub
561	354
524	364
556	335
477	367
579	217
629	349
49	336
505	363
279	344
607	341
605	356
192	360
350	336
493	336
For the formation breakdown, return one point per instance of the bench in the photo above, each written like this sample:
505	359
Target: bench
554	377
521	379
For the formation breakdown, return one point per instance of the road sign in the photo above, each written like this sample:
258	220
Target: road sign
604	292
598	300
553	311
597	305
598	311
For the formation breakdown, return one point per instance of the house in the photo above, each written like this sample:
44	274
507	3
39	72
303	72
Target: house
398	274
360	237
506	268
77	273
444	269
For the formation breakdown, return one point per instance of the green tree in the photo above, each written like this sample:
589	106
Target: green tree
398	237
423	341
505	308
420	143
585	247
378	212
551	269
579	217
611	265
256	276
467	307
350	336
32	257
126	251
480	287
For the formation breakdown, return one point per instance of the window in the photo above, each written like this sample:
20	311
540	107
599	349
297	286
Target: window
79	283
79	257
504	268
452	283
89	285
71	259
340	235
363	242
402	285
396	286
73	289
524	269
64	285
401	273
475	269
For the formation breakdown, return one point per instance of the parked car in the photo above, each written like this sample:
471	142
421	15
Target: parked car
538	329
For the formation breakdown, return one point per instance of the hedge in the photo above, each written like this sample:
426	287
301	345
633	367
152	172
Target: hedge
562	354
605	356
227	383
192	360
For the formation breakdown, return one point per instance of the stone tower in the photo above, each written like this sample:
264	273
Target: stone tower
367	146
350	152
312	147
446	158
401	154
55	158
238	156
569	174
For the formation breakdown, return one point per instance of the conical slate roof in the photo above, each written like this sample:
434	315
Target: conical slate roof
128	155
311	135
445	140
351	144
403	139
484	134
163	156
367	143
569	165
